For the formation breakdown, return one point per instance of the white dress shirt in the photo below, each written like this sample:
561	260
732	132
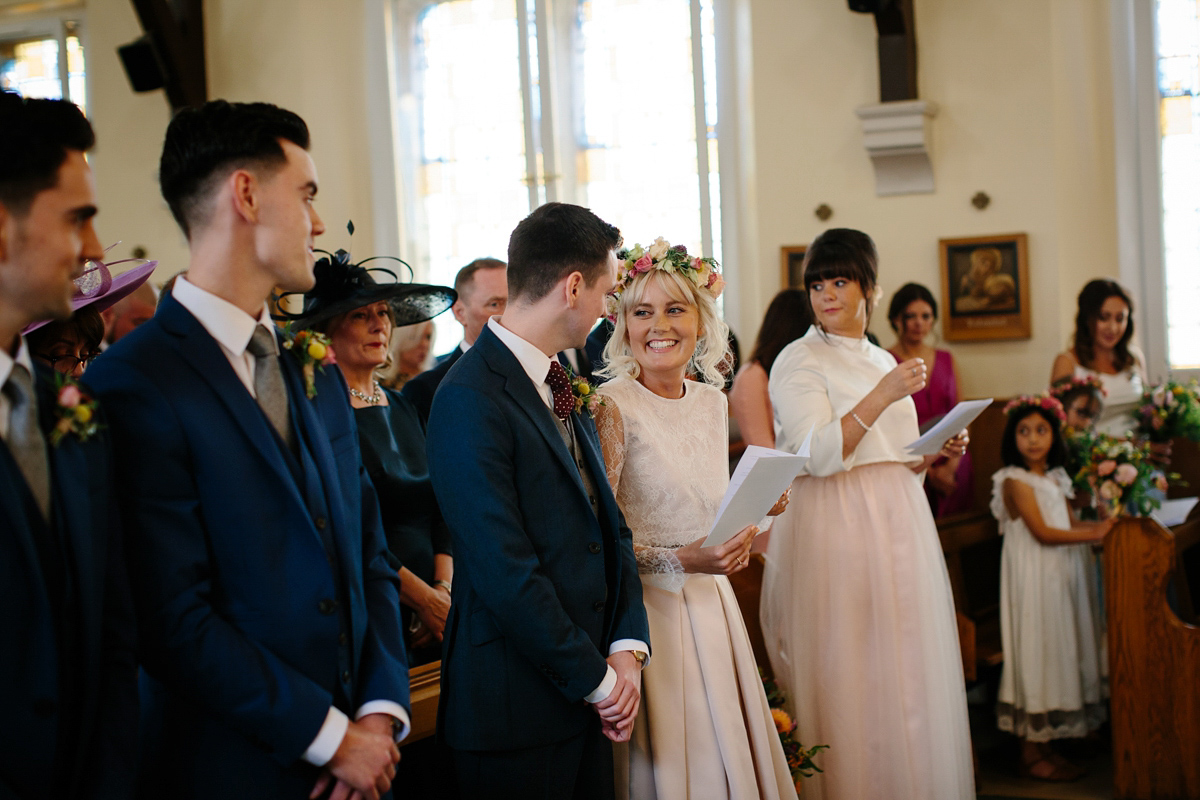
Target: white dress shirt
232	328
6	367
537	365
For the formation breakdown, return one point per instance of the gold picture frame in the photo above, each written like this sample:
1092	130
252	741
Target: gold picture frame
985	288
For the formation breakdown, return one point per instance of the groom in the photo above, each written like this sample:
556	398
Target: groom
547	633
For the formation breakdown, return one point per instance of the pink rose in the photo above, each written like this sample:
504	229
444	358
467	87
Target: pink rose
1109	490
70	396
644	263
1126	474
716	285
330	358
1106	467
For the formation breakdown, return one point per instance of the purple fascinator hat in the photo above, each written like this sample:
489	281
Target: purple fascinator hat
99	288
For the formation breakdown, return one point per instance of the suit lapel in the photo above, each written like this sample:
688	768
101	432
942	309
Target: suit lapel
201	351
521	389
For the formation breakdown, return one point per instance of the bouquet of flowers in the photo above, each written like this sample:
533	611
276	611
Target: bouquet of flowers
1120	475
1168	410
800	761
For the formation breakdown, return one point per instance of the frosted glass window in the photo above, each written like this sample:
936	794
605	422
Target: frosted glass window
1179	120
575	112
30	67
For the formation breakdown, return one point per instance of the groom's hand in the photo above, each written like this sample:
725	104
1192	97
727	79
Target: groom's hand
619	710
365	761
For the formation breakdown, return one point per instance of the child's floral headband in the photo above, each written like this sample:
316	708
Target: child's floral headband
1028	402
1066	386
662	256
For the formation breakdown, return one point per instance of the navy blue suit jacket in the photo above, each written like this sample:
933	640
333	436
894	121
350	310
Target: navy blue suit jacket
231	580
542	585
99	711
420	389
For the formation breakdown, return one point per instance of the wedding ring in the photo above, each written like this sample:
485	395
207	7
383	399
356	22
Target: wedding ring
914	370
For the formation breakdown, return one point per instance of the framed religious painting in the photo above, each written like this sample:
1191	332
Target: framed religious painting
791	265
985	288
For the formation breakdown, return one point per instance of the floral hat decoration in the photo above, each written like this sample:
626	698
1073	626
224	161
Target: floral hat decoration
1029	402
1072	384
662	256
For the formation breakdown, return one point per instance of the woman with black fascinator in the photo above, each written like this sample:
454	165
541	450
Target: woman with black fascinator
358	314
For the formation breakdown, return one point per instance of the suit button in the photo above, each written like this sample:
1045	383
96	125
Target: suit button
598	606
326	606
594	548
44	707
320	523
342	638
345	676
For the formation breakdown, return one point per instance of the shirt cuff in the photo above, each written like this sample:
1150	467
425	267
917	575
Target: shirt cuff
632	645
392	710
329	738
605	688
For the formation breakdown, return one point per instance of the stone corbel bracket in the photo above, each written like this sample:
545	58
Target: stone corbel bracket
898	140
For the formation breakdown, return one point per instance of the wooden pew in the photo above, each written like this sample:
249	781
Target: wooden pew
1154	665
424	687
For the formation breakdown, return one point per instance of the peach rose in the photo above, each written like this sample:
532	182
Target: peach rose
1106	467
1126	474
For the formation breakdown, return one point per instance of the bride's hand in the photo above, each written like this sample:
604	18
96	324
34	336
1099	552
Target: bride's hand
722	559
781	503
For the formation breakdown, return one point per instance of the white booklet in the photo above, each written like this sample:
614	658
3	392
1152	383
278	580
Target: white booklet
761	477
951	425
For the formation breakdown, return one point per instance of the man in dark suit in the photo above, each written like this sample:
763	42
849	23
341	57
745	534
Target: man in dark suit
68	673
269	617
547	632
482	288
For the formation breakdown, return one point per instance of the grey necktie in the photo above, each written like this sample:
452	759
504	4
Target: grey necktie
268	383
25	440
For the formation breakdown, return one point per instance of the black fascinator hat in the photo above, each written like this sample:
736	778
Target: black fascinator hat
342	286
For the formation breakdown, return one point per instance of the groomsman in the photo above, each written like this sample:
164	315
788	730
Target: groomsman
269	616
68	675
547	632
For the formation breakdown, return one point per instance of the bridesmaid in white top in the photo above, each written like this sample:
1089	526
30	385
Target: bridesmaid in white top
1101	347
856	606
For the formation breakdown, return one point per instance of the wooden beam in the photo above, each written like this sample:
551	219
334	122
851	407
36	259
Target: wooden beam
176	28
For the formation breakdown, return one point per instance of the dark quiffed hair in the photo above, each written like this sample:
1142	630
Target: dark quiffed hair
205	144
788	317
1090	300
1009	453
904	296
554	241
86	322
466	275
35	136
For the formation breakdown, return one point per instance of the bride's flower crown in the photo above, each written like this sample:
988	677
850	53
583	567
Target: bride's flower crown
662	256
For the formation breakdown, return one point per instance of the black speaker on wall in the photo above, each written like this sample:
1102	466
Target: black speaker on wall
142	65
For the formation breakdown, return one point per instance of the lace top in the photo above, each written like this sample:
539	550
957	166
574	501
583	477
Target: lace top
1124	396
1051	491
668	465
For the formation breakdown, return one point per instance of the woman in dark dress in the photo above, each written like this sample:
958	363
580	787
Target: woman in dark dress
358	315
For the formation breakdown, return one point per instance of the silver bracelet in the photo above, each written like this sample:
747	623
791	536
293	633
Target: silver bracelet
861	424
440	584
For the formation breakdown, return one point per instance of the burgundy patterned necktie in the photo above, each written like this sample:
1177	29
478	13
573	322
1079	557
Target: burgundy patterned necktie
560	386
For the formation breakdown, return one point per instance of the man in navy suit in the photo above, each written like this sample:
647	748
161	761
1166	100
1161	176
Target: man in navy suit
269	616
482	288
68	673
547	632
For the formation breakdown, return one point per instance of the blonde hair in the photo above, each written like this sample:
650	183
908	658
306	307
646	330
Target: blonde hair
711	359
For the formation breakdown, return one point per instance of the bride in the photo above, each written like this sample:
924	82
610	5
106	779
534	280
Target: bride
704	728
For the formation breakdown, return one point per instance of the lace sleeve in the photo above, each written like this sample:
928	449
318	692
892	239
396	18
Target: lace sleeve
611	429
660	565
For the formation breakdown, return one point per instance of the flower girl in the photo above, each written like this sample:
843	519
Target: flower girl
1052	683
